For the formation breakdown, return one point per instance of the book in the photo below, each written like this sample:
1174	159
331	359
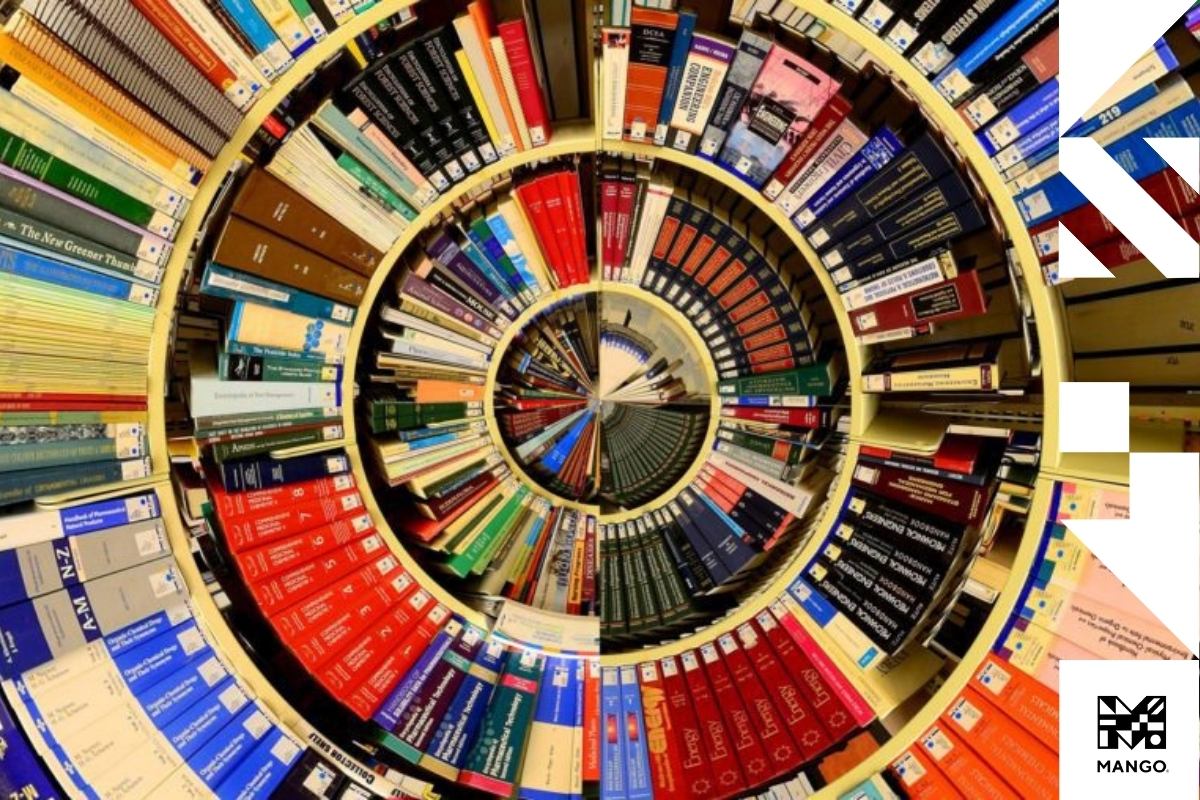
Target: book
614	69
752	50
652	37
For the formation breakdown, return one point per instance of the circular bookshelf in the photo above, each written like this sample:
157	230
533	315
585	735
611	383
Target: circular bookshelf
582	483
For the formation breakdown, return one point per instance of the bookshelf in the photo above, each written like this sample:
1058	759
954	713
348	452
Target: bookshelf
874	421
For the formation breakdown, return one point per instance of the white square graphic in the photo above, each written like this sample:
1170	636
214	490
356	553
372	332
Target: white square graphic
1088	770
1094	417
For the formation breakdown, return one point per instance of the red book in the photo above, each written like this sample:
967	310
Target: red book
821	128
573	199
715	736
297	583
555	203
754	318
312	615
591	720
958	298
626	199
782	752
746	743
262	502
532	200
797	715
358	661
1120	251
921	778
529	92
796	417
355	615
666	771
698	778
1021	760
370	694
1091	227
45	403
610	191
179	33
272	558
439	507
952	500
734	492
131	400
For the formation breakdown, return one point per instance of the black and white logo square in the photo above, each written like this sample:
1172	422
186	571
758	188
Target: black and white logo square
1120	726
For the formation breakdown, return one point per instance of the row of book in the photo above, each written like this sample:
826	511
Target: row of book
999	71
849	148
113	686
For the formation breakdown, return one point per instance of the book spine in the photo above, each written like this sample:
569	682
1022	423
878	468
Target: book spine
41	165
828	120
529	91
39	234
958	298
28	265
220	282
1003	31
854	173
700	85
891	283
680	47
752	51
651	40
266	472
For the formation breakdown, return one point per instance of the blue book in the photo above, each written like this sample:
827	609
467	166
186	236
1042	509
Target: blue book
612	741
1086	127
252	23
1056	195
558	454
219	281
265	471
230	746
260	351
390	711
264	770
1035	142
144	630
166	700
639	785
489	270
1045	154
144	666
508	242
684	28
874	156
456	730
725	541
1031	113
1003	31
491	248
21	772
28	265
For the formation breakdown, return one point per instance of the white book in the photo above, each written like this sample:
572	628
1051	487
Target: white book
924	273
510	91
654	210
703	73
249	74
468	35
614	71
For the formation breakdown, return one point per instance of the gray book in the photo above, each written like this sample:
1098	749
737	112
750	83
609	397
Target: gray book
752	49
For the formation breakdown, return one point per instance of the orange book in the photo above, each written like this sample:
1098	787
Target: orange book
969	774
33	67
1019	759
921	778
430	390
649	59
1030	704
481	14
177	31
857	750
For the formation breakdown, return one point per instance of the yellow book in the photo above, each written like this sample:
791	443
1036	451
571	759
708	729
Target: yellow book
69	94
489	124
275	327
1167	316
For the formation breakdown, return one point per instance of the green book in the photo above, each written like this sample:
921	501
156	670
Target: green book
817	379
240	367
494	763
463	563
380	191
36	455
788	453
42	237
242	448
37	163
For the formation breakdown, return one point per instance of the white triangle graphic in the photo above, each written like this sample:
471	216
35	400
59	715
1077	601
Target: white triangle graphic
1183	155
1075	260
1100	41
1156	552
